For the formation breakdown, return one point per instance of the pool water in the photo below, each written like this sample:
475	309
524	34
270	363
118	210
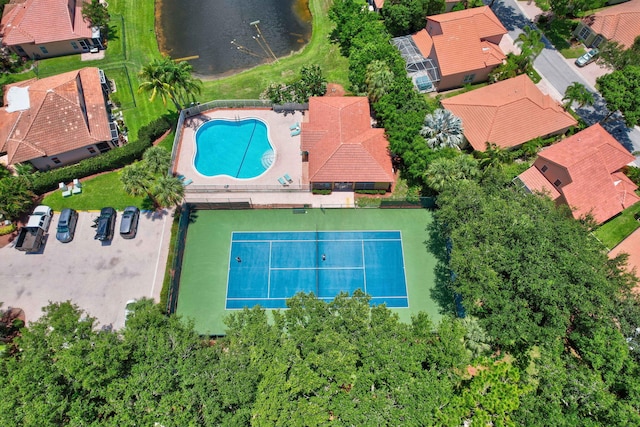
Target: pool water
236	148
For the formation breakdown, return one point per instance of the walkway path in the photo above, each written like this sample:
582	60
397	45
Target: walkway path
560	73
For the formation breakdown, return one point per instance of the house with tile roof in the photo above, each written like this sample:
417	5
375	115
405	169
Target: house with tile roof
584	172
508	113
47	28
620	23
57	120
464	46
341	149
630	246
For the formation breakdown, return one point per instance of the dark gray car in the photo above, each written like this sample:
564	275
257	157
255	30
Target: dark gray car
105	224
67	225
129	222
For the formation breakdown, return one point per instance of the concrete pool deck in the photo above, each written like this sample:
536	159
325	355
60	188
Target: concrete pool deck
264	189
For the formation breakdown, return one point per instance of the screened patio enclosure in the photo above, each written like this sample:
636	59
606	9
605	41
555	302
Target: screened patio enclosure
422	71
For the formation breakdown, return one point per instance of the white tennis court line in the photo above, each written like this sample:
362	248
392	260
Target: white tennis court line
364	270
269	275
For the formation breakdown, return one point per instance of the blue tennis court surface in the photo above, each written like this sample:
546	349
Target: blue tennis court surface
266	268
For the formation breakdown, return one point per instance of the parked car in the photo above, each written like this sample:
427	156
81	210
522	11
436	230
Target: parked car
105	224
587	58
129	222
67	225
32	236
128	309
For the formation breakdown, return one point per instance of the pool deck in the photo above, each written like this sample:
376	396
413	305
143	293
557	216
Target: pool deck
264	189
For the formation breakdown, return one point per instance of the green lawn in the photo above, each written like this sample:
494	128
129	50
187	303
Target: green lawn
103	190
205	266
617	229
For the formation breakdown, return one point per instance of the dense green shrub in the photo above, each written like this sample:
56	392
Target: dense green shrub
371	191
320	192
114	159
7	229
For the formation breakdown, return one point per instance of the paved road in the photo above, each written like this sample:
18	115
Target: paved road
551	65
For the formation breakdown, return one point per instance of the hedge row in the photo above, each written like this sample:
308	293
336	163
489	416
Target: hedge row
114	159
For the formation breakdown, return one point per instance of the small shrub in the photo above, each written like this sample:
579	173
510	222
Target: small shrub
7	229
321	192
368	202
371	191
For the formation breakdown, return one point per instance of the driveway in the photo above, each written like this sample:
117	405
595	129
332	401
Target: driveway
97	276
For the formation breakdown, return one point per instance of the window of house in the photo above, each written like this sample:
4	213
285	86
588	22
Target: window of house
44	49
544	168
557	182
55	160
91	150
322	185
74	45
365	186
20	50
469	78
584	33
597	41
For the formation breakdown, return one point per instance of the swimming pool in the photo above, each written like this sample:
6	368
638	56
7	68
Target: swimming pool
236	148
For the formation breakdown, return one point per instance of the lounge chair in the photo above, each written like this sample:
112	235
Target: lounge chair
66	192
287	177
187	182
180	177
295	132
294	126
282	181
77	187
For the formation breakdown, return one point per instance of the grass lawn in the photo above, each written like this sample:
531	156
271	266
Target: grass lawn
617	229
205	267
103	190
559	32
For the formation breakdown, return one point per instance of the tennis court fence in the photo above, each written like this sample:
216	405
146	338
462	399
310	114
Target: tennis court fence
178	253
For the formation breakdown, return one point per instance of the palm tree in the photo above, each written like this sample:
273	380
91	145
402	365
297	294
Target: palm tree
378	79
444	171
169	79
531	45
156	160
476	339
154	81
136	180
442	129
577	92
168	190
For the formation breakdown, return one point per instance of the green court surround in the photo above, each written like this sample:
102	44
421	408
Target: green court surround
203	282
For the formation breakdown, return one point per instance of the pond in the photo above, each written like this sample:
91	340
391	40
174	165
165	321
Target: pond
222	37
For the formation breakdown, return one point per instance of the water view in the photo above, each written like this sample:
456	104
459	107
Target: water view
221	37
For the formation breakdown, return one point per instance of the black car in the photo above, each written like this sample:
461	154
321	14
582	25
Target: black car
66	225
129	222
105	224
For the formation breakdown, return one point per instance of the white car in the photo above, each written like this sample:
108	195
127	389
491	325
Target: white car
587	58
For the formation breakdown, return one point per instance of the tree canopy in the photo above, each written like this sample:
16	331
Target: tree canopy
621	91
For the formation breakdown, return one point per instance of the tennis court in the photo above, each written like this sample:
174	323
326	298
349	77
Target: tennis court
266	268
384	252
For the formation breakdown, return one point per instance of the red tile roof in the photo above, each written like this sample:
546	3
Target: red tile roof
536	182
43	21
620	22
507	113
342	145
590	162
423	42
462	46
631	246
65	112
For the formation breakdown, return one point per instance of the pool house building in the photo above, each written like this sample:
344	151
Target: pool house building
342	149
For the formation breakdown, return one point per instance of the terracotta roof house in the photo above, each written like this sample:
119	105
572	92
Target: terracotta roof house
619	23
630	246
57	120
463	46
583	172
47	28
341	148
508	114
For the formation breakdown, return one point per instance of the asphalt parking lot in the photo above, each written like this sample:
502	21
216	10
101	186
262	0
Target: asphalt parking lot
100	277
